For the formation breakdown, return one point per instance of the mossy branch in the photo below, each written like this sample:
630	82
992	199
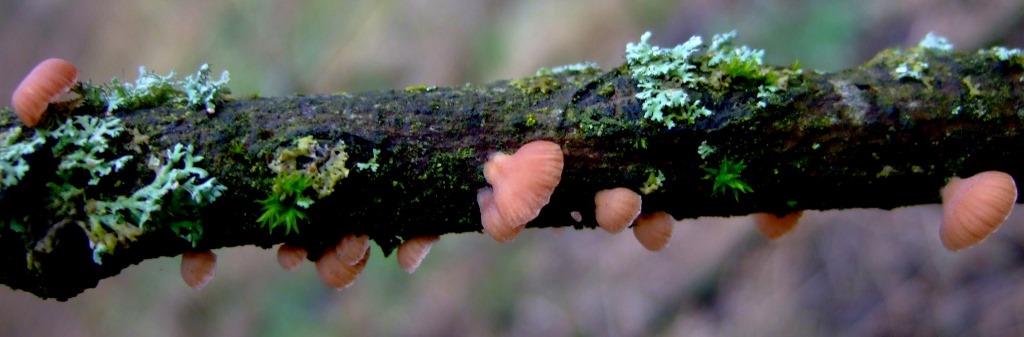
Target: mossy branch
406	163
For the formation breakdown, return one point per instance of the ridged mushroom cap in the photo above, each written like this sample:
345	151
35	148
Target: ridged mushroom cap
773	226
412	252
197	268
290	257
523	182
654	230
46	82
351	248
494	224
616	208
974	207
338	274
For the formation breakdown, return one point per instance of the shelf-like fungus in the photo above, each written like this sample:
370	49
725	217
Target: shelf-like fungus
412	252
197	268
352	248
521	184
339	274
773	226
654	230
616	208
494	224
974	207
290	257
46	82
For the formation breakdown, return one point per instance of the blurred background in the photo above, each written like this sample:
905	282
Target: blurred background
854	272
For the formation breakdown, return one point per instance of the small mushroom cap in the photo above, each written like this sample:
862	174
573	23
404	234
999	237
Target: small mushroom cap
338	274
412	252
654	230
494	224
351	248
616	208
773	226
290	257
974	207
197	268
46	82
523	182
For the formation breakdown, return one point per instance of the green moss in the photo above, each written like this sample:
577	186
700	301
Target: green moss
727	178
305	167
539	84
286	204
419	88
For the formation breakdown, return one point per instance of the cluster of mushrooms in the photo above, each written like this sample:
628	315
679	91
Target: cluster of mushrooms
521	184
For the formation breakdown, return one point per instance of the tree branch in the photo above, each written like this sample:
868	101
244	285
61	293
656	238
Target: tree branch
852	139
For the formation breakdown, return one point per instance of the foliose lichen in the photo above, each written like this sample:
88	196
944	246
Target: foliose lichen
913	66
13	165
151	90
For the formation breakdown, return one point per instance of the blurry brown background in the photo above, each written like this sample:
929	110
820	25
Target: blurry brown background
859	272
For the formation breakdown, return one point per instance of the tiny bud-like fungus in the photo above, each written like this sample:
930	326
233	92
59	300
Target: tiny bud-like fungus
351	248
412	252
773	226
522	183
46	82
494	224
616	208
654	230
338	274
974	207
290	257
197	268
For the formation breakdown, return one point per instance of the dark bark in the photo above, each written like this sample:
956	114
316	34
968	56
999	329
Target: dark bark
853	139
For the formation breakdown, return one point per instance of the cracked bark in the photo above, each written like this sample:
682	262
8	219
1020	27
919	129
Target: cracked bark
852	139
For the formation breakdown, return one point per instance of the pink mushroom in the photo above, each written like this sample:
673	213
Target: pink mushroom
974	207
522	184
46	82
773	226
412	252
339	274
290	257
654	230
616	208
197	268
351	248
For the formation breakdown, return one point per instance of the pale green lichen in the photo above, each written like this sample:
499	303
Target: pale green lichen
913	66
935	42
371	165
1014	57
655	178
151	90
704	150
178	185
15	147
202	91
581	67
661	75
82	143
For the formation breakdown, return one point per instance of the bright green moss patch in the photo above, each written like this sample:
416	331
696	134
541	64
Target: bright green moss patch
305	170
727	178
